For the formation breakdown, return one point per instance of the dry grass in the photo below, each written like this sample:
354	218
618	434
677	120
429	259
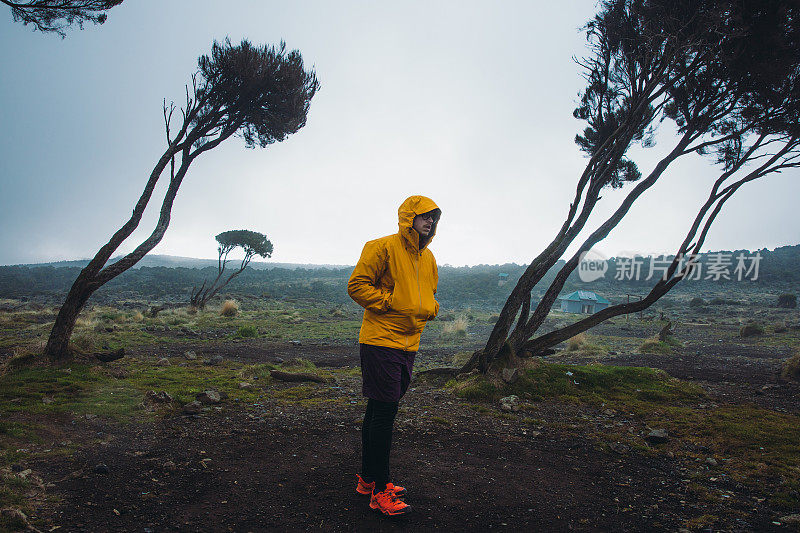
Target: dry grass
229	308
85	322
456	328
586	345
137	316
577	342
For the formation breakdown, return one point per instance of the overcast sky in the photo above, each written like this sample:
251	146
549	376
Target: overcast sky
469	103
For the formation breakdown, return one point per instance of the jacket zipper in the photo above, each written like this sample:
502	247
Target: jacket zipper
419	290
419	287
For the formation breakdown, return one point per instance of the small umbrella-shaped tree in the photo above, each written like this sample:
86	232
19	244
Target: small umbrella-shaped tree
252	242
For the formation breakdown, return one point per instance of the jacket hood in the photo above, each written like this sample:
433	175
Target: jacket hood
411	207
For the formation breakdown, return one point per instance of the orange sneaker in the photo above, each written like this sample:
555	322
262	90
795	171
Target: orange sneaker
388	503
366	488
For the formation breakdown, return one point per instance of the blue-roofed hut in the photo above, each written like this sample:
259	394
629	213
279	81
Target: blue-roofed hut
583	302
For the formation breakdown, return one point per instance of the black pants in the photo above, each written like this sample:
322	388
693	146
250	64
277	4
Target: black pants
376	442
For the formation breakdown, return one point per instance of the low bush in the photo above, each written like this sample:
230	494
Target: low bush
791	367
229	308
751	330
247	331
697	302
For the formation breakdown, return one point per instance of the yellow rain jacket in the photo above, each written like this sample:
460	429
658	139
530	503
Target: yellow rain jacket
395	280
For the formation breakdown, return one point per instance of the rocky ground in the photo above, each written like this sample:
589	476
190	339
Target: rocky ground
277	465
287	460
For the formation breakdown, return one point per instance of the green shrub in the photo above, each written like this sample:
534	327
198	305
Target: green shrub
751	330
697	302
247	331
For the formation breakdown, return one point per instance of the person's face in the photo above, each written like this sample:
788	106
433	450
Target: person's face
424	223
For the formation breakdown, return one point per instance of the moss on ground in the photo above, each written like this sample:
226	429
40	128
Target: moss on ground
591	384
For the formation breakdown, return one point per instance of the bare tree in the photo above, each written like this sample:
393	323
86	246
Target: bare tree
725	72
54	16
252	242
262	93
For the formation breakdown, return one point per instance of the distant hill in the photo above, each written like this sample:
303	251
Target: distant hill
167	278
174	261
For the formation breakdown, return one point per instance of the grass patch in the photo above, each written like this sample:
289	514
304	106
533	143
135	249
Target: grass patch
84	389
441	421
593	384
300	392
655	346
184	382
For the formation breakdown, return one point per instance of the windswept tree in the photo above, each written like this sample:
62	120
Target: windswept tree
261	93
55	16
726	73
252	242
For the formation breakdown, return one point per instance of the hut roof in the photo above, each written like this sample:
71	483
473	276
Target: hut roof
582	296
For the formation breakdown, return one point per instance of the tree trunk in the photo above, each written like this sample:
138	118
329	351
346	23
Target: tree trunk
57	344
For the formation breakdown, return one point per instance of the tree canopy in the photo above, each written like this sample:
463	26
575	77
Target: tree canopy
252	242
55	16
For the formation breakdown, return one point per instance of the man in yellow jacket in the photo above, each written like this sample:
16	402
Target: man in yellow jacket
395	282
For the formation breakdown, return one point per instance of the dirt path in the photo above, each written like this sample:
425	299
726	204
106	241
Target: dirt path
278	466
